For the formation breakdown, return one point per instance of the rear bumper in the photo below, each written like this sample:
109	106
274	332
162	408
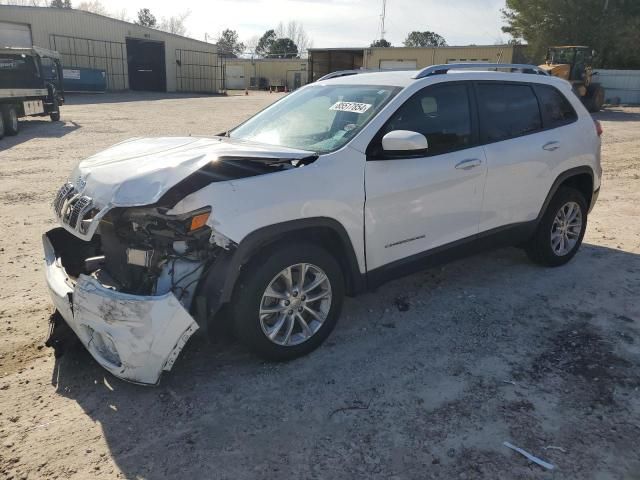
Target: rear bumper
134	337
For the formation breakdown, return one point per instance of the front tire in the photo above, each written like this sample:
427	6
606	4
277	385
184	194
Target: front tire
55	110
10	118
288	301
595	98
561	229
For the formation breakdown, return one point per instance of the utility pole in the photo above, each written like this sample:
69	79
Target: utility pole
382	17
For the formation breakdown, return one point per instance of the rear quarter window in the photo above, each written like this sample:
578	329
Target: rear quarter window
507	110
556	109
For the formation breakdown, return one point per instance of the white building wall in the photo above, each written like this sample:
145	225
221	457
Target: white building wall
620	85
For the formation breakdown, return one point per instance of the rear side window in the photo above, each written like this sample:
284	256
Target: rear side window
507	111
441	113
556	109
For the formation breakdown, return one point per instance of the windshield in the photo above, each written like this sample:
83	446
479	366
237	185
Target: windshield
319	118
561	55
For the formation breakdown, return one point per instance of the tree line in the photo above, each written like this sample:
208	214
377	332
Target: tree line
415	39
610	27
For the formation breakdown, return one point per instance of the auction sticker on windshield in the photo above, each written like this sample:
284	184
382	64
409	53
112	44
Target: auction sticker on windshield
351	107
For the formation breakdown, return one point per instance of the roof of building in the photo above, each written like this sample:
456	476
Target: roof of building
73	11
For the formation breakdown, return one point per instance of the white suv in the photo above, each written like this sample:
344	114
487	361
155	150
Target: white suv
333	190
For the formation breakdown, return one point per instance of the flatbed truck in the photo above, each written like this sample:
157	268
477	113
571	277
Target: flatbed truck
31	84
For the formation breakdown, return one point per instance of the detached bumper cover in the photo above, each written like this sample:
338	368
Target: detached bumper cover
134	337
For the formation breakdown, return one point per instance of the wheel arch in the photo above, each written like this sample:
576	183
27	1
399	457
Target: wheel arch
217	286
580	178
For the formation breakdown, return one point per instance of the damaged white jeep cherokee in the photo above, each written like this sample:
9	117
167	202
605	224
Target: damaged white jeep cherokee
331	191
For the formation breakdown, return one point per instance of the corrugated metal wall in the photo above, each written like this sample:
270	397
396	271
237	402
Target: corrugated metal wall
94	41
198	71
621	86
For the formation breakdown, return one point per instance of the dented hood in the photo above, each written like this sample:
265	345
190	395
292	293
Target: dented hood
139	171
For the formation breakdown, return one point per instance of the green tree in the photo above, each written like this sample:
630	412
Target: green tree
229	44
265	42
381	43
424	39
283	48
611	27
146	18
60	4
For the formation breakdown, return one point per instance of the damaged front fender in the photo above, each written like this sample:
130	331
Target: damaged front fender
135	337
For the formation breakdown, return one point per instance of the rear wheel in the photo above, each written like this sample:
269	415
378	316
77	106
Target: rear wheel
10	118
560	232
288	301
1	127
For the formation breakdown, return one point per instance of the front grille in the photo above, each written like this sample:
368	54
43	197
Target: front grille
79	209
65	193
71	208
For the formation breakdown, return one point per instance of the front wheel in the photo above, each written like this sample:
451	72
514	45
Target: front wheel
288	301
561	229
595	98
55	110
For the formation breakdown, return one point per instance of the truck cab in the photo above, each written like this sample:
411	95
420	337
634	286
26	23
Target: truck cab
31	84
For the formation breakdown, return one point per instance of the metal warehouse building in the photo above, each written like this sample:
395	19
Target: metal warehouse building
131	56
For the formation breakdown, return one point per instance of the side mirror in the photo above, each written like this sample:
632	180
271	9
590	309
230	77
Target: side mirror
404	141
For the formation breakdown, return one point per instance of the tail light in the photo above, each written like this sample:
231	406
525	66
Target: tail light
598	127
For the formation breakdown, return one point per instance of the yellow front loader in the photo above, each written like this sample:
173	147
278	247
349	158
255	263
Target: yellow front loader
573	63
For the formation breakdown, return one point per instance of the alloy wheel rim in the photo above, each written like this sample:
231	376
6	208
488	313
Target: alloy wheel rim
566	228
295	304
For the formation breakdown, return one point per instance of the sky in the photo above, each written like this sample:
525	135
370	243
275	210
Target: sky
335	23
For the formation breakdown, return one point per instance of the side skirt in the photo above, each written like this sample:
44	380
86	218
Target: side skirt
506	236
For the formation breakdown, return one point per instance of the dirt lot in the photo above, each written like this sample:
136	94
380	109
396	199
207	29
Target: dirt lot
491	348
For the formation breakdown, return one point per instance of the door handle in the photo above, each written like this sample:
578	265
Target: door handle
551	146
469	164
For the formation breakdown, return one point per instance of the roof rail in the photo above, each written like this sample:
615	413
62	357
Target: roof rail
339	73
441	69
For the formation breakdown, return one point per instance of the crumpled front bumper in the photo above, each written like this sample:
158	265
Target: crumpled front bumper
134	337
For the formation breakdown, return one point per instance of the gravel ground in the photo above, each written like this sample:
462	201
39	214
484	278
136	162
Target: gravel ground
424	378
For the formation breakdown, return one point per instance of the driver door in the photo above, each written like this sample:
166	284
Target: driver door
421	201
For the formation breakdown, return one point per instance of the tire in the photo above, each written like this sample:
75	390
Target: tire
546	247
595	98
267	271
10	118
1	127
55	113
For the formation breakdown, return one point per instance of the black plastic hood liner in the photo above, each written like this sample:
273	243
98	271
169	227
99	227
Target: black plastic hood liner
229	168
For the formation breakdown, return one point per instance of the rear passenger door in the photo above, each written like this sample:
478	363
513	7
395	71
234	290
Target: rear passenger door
519	153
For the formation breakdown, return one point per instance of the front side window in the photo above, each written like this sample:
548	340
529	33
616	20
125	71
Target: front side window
441	113
556	109
507	111
319	118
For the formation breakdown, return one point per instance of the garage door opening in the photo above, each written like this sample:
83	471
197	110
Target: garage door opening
146	62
